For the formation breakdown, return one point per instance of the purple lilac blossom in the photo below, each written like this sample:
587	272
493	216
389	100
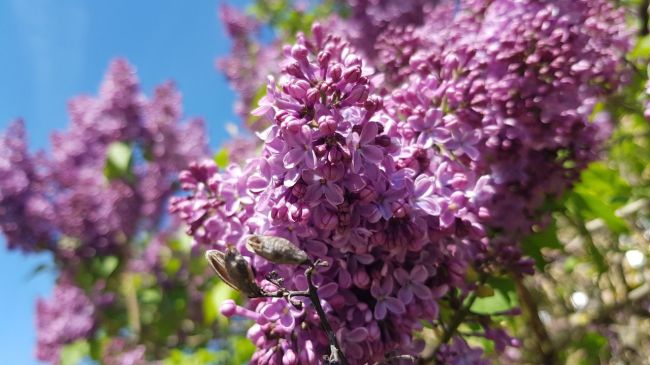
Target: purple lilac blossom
369	18
66	317
396	173
64	203
96	215
327	181
516	83
248	63
26	214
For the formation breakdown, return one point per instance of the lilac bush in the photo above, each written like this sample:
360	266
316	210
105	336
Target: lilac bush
97	201
410	163
409	170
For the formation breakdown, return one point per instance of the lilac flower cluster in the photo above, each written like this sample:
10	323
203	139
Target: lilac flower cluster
508	87
329	179
69	203
25	212
249	61
370	18
66	317
96	215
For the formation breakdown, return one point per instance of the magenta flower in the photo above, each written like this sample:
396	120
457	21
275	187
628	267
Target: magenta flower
385	302
282	313
412	283
424	195
363	148
300	150
463	140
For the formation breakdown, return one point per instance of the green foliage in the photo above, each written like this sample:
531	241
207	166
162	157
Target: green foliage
75	352
119	161
534	245
501	297
105	266
222	158
214	296
200	357
237	351
284	17
642	48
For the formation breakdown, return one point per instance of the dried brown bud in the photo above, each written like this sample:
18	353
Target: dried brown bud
277	250
234	270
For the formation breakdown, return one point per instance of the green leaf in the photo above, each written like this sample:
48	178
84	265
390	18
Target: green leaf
75	352
504	298
534	244
106	266
243	350
119	160
222	158
213	299
605	182
642	48
598	208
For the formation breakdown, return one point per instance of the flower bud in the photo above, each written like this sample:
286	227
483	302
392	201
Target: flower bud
352	74
277	250
336	72
313	95
327	125
294	70
324	58
299	52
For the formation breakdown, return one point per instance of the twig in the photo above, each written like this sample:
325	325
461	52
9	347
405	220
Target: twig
644	18
132	307
336	355
546	347
451	329
456	321
390	360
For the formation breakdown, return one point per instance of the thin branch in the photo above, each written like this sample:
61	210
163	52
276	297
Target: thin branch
644	18
452	328
336	356
546	347
132	306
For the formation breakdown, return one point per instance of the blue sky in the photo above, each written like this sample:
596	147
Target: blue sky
55	49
